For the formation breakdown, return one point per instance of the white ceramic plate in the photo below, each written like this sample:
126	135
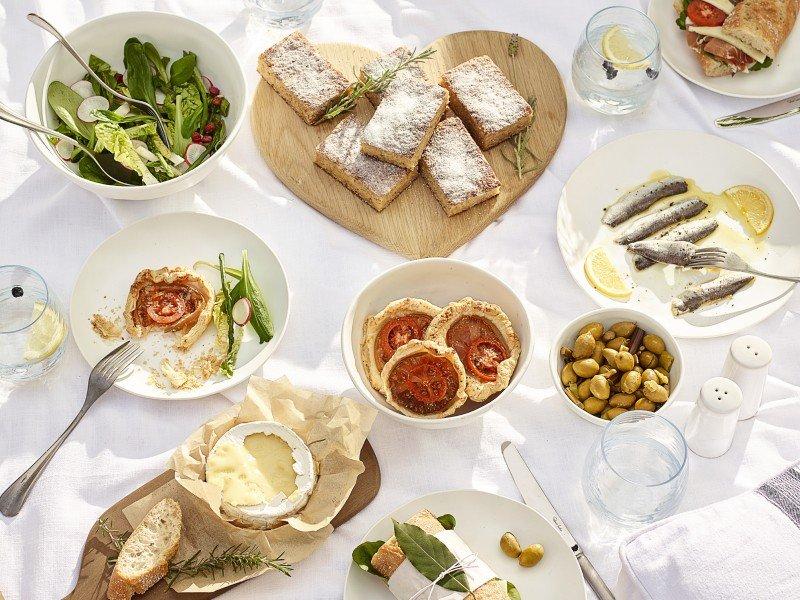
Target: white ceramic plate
780	79
105	37
440	281
715	164
177	239
481	518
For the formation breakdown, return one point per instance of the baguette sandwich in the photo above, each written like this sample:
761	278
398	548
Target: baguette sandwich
736	36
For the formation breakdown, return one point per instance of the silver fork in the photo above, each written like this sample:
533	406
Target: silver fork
730	261
101	379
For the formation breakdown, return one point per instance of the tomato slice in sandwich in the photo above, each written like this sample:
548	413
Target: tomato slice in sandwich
705	14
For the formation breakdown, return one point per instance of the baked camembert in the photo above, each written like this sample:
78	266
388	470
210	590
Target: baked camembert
266	473
169	299
483	338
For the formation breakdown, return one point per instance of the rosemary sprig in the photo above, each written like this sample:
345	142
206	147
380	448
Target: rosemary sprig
520	144
105	526
236	557
513	44
376	85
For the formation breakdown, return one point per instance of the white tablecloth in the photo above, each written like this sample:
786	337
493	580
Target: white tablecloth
124	441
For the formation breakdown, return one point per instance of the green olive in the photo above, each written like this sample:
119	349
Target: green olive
630	382
584	346
566	352
647	359
594	405
607	372
665	360
531	556
616	343
625	361
624	328
622	400
583	389
585	368
568	374
597	355
596	329
649	375
662	379
654	343
608	336
600	387
572	394
654	392
509	545
645	404
614	412
610	355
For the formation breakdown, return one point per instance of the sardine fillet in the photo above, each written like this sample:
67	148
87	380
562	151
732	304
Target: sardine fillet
693	231
669	252
643	197
696	296
650	224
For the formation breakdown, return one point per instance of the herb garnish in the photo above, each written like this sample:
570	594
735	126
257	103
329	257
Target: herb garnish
363	553
377	85
513	44
761	65
430	556
238	558
105	526
681	20
520	144
226	309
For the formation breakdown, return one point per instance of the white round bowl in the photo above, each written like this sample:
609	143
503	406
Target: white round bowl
440	281
609	316
105	38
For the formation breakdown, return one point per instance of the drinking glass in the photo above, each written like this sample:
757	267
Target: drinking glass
635	473
32	325
286	14
616	64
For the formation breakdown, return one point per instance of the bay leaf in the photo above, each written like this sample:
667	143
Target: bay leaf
448	521
513	593
363	553
429	555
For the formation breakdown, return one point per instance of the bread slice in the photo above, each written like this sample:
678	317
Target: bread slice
302	76
374	181
488	104
763	24
455	169
404	122
144	559
714	67
376	68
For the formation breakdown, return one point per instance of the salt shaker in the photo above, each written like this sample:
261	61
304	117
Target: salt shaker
748	364
712	422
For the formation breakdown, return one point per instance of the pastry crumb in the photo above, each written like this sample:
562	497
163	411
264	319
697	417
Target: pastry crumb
105	327
182	377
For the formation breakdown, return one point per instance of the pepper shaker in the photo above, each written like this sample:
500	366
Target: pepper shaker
748	364
712	422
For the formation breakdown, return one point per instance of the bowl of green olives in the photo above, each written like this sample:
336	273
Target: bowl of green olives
613	360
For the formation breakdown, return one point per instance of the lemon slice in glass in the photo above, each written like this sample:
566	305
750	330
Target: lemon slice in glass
618	50
755	206
46	334
604	277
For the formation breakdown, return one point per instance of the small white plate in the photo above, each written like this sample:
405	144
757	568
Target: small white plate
440	281
178	239
780	79
481	519
714	164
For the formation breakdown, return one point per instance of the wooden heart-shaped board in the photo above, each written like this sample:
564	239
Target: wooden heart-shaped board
414	224
94	569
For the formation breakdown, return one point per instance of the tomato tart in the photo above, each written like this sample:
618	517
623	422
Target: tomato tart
484	340
169	299
397	324
424	379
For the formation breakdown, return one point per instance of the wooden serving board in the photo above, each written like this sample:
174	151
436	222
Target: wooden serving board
94	570
414	224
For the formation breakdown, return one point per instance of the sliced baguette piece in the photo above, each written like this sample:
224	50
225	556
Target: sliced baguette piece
713	67
144	558
762	24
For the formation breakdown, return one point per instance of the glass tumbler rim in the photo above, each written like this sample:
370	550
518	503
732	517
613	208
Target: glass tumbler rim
649	415
639	13
41	279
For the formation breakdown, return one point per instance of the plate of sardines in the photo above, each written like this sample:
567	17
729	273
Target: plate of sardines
633	215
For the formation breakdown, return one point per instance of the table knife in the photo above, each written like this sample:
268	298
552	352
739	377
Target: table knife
534	496
763	114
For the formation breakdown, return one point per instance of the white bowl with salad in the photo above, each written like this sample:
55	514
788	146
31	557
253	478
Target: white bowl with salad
198	88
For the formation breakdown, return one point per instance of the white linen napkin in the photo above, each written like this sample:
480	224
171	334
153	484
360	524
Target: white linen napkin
743	548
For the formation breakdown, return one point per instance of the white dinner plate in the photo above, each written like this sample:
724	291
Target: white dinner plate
780	79
178	239
481	519
714	164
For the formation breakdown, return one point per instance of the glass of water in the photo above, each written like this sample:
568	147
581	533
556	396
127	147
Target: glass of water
32	325
286	14
616	64
636	472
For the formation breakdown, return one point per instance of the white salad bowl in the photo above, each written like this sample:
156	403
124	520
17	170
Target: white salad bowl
609	316
105	38
440	281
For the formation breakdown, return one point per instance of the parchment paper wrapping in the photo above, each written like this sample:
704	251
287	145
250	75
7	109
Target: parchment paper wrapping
334	429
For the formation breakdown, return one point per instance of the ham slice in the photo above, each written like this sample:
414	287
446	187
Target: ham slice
727	52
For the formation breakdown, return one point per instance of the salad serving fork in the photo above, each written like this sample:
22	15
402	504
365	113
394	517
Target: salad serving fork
730	261
102	377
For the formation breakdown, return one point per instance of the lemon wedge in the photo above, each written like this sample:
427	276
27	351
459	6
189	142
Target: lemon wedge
618	50
604	277
755	206
46	334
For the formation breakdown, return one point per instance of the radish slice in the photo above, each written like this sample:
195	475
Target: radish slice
64	149
123	109
176	160
160	97
87	107
181	168
143	151
83	88
241	312
206	82
193	152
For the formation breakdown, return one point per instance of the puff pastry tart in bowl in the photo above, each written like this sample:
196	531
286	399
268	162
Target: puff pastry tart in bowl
400	322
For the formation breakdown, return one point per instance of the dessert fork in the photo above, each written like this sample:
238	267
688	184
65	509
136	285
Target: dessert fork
730	261
101	379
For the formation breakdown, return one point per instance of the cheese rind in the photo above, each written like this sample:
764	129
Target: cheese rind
717	32
265	471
